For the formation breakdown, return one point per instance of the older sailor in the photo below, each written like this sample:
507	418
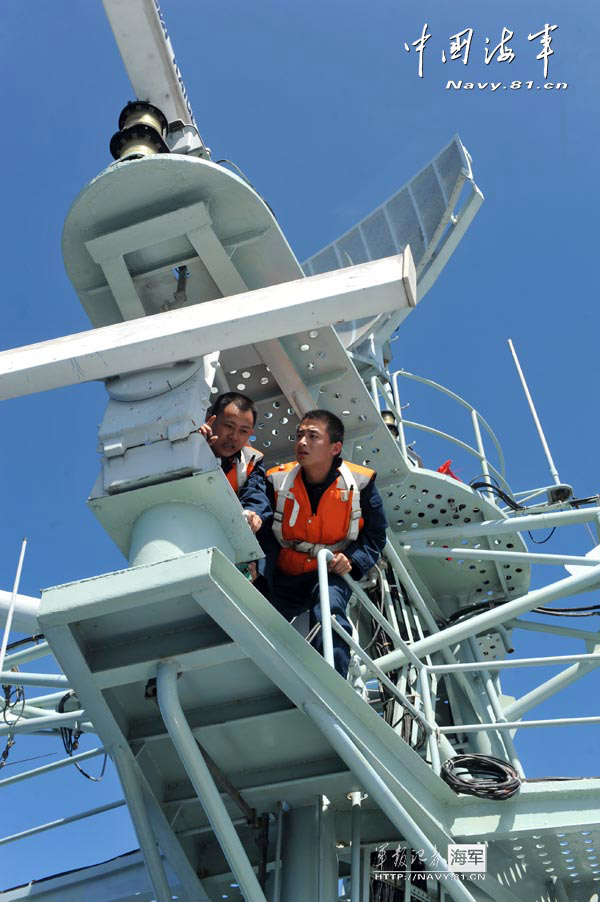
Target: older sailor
227	431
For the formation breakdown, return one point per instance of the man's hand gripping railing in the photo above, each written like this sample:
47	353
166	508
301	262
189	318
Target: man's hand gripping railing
329	623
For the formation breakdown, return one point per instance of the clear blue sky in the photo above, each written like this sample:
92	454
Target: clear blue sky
322	107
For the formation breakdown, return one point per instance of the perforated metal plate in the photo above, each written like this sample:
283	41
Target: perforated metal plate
413	498
321	363
429	499
572	857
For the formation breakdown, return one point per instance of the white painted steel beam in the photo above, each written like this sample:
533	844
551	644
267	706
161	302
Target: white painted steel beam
384	797
481	622
148	55
50	680
54	765
143	829
507	525
61	822
476	666
18	658
553	630
273	354
25	611
549	688
48	721
253	316
517	725
516	557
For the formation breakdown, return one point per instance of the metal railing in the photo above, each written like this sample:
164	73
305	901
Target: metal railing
493	717
391	397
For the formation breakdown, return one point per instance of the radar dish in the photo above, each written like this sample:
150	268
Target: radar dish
423	214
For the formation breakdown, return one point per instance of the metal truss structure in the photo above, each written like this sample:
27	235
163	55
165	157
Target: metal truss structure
249	767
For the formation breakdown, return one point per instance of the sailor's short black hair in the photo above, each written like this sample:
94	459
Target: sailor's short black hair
333	424
242	402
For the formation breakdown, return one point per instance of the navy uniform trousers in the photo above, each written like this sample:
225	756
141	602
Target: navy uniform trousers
285	593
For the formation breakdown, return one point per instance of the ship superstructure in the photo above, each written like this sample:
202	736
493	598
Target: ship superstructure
249	767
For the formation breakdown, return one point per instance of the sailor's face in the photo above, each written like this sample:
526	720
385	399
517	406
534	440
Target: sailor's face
233	428
313	447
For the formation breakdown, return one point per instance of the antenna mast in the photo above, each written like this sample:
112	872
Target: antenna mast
538	425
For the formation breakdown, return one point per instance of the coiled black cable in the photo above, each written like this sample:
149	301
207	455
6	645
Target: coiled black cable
70	738
488	778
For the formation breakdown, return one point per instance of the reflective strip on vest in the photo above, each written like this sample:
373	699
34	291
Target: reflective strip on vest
249	457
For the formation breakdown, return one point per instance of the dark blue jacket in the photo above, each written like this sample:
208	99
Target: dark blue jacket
366	550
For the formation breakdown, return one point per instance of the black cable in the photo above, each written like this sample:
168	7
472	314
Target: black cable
593	499
9	705
489	486
485	476
488	778
26	641
542	541
585	611
70	740
471	609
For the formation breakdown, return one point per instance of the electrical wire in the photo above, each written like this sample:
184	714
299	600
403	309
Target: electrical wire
32	758
26	641
496	490
406	720
589	610
488	777
542	541
70	738
514	505
10	705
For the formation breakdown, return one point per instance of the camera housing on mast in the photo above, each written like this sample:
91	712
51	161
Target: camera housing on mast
142	127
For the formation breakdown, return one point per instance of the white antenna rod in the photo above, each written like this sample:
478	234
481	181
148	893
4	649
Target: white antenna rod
11	608
536	419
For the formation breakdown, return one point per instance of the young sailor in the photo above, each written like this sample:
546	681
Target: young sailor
227	431
321	501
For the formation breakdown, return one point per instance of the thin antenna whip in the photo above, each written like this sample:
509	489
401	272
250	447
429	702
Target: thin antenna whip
11	607
536	419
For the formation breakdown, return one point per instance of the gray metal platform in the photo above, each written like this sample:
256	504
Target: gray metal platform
248	680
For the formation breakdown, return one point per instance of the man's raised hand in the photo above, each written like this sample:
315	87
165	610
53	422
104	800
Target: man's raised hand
206	430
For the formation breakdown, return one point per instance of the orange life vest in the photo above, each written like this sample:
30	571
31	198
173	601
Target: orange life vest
238	474
302	533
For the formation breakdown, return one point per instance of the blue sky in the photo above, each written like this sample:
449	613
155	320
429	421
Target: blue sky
323	109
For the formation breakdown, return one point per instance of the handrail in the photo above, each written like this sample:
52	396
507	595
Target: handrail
405	654
61	822
391	396
329	624
456	441
454	397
